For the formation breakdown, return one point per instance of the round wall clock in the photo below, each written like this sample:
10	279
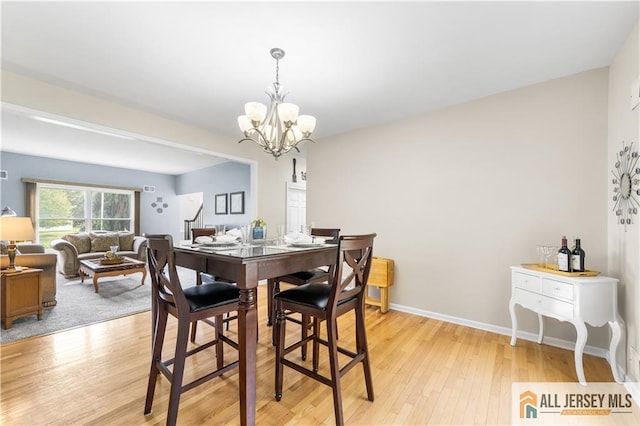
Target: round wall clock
626	176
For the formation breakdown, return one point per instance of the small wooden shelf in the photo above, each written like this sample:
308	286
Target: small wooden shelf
535	267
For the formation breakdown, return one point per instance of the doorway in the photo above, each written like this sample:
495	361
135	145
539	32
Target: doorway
190	206
296	217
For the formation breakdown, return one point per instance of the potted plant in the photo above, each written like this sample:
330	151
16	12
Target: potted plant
258	229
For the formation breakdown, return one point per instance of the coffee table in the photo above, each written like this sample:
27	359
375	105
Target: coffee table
94	268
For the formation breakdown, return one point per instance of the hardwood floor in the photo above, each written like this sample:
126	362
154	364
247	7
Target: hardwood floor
424	372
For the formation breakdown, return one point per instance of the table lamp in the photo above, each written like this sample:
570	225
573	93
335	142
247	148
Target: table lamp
12	229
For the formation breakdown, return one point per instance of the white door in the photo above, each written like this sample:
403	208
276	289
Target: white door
296	207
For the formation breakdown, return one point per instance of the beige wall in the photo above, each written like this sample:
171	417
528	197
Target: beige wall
271	174
624	247
458	195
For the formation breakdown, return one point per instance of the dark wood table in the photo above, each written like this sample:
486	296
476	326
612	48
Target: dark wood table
246	266
94	268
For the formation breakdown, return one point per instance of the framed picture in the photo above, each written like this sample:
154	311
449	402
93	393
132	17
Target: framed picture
236	202
221	203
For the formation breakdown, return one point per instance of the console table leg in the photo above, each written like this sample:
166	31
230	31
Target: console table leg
616	333
540	328
514	322
581	340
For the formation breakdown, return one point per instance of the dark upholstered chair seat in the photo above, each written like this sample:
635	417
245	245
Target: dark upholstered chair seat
303	277
210	295
312	295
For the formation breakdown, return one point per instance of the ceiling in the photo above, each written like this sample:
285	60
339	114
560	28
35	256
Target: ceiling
350	64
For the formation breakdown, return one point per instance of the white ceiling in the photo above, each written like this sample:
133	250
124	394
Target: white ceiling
350	64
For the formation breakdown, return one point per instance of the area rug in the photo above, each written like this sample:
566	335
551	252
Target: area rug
79	305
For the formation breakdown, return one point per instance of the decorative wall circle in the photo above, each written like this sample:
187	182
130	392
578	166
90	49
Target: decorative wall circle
626	177
159	205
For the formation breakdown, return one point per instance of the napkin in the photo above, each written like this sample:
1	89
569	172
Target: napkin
204	240
297	238
226	238
235	232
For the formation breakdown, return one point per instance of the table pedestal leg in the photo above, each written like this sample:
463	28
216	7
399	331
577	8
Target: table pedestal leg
247	326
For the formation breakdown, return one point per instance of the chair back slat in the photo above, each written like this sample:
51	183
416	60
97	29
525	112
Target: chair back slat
350	274
162	268
334	233
202	232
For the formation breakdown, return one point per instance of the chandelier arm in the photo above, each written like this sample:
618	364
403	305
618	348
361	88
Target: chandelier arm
259	141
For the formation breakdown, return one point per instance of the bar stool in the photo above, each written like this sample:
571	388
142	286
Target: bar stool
314	275
326	303
186	305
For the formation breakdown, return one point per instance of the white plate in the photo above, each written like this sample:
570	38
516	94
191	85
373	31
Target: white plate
306	245
221	244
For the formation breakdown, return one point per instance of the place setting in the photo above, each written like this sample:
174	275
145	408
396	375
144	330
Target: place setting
222	240
301	240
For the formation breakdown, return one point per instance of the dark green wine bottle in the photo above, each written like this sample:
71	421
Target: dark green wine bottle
577	258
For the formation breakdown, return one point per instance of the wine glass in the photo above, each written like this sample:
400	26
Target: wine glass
280	231
245	231
541	256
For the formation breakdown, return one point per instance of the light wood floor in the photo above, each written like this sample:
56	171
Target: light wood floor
424	372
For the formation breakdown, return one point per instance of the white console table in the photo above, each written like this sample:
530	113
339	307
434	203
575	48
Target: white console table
578	300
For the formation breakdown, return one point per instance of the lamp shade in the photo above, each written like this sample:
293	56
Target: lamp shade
244	123
255	111
14	228
288	112
306	123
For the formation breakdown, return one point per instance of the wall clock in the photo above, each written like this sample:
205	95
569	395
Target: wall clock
626	176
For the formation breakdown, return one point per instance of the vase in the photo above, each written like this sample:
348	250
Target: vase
259	233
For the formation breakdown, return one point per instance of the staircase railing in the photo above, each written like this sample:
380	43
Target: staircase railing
196	222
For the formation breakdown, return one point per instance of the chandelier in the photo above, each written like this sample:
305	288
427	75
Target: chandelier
281	129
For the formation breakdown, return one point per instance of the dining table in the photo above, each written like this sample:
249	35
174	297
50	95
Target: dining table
247	264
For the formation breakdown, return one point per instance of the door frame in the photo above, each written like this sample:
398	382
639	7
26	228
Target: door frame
298	187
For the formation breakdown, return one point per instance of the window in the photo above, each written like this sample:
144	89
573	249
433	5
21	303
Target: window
64	209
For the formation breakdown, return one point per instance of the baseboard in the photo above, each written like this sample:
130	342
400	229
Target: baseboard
533	337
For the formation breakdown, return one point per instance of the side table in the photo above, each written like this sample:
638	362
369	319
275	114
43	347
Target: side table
21	295
578	300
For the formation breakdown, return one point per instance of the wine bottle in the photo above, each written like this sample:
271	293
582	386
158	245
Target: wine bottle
577	258
564	256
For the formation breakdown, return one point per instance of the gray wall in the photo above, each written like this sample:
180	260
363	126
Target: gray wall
12	190
221	179
226	177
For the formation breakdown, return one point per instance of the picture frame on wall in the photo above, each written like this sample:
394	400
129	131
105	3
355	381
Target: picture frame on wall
236	202
221	204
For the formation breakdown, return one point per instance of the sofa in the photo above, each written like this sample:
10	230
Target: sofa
35	256
72	248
